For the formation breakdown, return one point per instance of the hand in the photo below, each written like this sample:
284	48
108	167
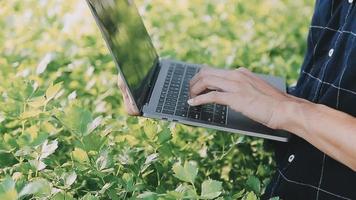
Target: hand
242	91
129	103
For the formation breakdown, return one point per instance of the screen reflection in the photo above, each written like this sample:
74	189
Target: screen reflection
130	44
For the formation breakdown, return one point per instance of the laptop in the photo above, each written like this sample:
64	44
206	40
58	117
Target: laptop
160	87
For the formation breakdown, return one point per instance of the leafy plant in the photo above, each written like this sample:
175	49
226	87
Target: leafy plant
63	130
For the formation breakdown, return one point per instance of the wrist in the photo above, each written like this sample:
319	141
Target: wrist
292	116
285	114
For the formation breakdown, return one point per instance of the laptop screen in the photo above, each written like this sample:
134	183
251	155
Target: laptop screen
129	42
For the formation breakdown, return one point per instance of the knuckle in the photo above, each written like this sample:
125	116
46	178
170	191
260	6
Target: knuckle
202	73
237	73
214	96
244	70
191	82
199	75
205	67
204	70
204	81
193	91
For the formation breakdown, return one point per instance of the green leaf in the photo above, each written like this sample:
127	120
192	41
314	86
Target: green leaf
7	189
164	136
186	173
129	182
37	102
48	148
9	195
37	164
149	160
254	184
250	196
80	155
103	161
89	197
239	195
92	142
172	195
94	124
211	189
52	91
44	63
62	196
187	191
40	139
30	114
70	178
39	188
76	119
148	195
150	128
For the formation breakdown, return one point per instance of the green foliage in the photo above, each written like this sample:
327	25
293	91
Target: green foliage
63	130
210	189
187	173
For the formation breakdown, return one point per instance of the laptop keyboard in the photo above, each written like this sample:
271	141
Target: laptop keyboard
175	94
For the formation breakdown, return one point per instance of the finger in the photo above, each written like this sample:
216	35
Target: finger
129	104
212	83
121	84
206	71
212	97
123	88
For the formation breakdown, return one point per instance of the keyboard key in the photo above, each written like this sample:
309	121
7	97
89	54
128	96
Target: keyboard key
194	115
172	96
175	93
220	119
168	112
159	109
208	109
170	104
195	109
166	107
182	103
207	116
220	107
182	108
171	100
181	113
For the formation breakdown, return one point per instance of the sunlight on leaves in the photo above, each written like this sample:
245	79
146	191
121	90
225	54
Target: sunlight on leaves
186	173
211	189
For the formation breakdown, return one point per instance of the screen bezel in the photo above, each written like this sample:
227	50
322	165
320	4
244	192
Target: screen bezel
138	102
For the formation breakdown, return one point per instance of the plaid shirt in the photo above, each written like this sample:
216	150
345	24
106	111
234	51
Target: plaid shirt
328	76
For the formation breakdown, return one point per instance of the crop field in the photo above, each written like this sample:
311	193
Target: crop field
64	133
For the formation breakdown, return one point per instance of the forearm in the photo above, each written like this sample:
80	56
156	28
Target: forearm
329	130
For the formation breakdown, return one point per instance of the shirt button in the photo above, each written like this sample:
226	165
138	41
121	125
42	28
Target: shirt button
331	52
350	1
291	158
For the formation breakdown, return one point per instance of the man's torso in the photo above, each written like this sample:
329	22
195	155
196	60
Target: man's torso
328	76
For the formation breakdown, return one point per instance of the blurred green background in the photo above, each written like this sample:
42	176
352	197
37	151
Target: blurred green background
64	133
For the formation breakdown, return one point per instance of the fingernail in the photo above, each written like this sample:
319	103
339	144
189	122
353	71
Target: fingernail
191	102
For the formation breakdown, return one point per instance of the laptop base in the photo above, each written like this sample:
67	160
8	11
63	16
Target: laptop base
235	122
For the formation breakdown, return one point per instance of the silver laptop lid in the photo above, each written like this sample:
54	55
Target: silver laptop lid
130	44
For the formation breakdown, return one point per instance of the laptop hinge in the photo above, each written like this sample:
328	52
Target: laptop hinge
153	82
